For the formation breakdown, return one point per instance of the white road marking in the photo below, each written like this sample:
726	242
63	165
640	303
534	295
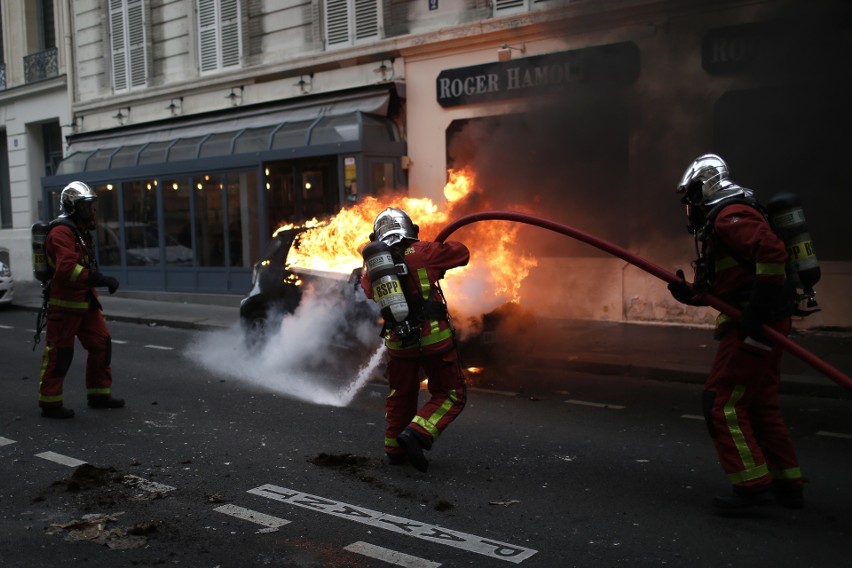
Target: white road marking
145	484
60	459
834	435
6	327
431	533
5	441
119	341
595	404
390	556
692	416
160	347
252	516
492	391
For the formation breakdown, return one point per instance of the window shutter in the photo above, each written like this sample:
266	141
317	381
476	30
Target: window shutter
207	52
366	19
136	41
118	45
219	34
230	17
337	22
509	5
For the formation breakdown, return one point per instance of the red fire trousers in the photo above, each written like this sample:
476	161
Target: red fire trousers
62	329
447	390
743	415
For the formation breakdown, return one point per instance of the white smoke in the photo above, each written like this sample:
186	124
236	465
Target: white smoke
323	353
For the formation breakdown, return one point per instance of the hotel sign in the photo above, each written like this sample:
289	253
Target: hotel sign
614	65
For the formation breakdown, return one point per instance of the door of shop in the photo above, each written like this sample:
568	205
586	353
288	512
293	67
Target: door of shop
300	190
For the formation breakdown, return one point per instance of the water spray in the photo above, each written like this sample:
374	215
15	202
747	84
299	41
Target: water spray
820	365
348	392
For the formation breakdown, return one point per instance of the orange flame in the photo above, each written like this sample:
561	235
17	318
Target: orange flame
496	269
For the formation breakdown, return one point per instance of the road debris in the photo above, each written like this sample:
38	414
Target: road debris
93	528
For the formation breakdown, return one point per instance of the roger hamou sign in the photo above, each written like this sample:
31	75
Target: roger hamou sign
616	64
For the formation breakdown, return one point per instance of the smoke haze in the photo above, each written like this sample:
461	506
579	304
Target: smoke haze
322	353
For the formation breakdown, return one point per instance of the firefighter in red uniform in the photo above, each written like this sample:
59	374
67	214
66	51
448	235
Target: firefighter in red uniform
425	341
73	310
742	262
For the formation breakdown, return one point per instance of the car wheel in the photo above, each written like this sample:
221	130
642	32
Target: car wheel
255	328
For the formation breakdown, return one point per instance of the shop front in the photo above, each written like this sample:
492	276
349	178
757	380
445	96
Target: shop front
190	208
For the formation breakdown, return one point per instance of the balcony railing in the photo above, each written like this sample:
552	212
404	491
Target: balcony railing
41	65
2	76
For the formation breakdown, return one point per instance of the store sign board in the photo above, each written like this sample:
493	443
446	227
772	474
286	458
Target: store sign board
773	46
614	64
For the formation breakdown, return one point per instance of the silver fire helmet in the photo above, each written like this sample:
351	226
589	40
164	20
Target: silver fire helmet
393	225
73	196
706	182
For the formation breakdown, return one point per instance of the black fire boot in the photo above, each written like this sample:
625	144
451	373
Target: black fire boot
105	401
742	498
788	495
57	412
396	459
411	441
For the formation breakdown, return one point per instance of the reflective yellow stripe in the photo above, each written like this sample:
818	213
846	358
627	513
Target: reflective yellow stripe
430	424
423	276
56	398
750	470
45	358
391	443
726	263
722	319
66	304
425	288
791	473
98	391
749	474
75	274
770	269
430	339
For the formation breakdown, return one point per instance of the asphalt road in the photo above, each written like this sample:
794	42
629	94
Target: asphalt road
203	468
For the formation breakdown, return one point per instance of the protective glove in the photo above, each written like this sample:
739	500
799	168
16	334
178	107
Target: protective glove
681	291
98	280
112	284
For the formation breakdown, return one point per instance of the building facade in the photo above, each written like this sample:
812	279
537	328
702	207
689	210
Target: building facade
205	124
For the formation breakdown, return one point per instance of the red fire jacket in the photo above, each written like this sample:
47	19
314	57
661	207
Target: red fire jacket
72	262
427	263
743	234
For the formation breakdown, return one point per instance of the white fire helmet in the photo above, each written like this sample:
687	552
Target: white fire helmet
706	182
393	225
77	197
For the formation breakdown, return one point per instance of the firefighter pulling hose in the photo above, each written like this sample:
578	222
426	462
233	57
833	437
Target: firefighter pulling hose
654	269
402	274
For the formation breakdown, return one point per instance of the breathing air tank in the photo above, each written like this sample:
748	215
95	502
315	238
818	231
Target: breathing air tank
788	219
387	289
41	271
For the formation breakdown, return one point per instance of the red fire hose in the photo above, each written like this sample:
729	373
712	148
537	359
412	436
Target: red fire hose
654	269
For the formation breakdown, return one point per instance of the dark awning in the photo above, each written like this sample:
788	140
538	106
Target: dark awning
343	118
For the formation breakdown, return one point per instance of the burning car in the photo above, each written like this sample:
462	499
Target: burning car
493	329
277	289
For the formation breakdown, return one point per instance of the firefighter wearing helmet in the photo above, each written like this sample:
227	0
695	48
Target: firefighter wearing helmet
73	310
402	274
742	262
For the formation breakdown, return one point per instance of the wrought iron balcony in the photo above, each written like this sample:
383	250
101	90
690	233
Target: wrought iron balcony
41	65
